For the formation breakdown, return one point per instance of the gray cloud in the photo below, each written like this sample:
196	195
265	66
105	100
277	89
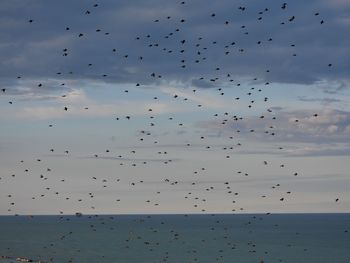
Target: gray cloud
35	50
324	101
136	160
330	126
335	88
324	152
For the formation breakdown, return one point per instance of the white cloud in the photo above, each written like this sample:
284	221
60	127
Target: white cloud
79	105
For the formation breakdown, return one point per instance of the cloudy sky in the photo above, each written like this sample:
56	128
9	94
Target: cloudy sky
169	107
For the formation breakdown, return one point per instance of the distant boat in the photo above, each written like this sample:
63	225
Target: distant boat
78	214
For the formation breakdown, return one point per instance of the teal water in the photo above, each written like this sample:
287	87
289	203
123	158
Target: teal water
178	238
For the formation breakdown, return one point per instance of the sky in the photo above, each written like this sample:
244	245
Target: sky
132	107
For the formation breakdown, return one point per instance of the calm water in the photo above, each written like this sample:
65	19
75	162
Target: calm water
178	238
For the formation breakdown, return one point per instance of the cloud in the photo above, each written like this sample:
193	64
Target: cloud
35	50
46	90
120	108
338	4
135	160
320	151
326	134
202	83
80	105
203	98
324	101
334	87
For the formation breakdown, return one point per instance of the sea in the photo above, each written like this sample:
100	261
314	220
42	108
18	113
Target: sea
241	238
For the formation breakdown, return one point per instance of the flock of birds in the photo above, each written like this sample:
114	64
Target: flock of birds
190	53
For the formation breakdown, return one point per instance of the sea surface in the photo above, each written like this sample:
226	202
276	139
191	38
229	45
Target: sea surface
249	238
